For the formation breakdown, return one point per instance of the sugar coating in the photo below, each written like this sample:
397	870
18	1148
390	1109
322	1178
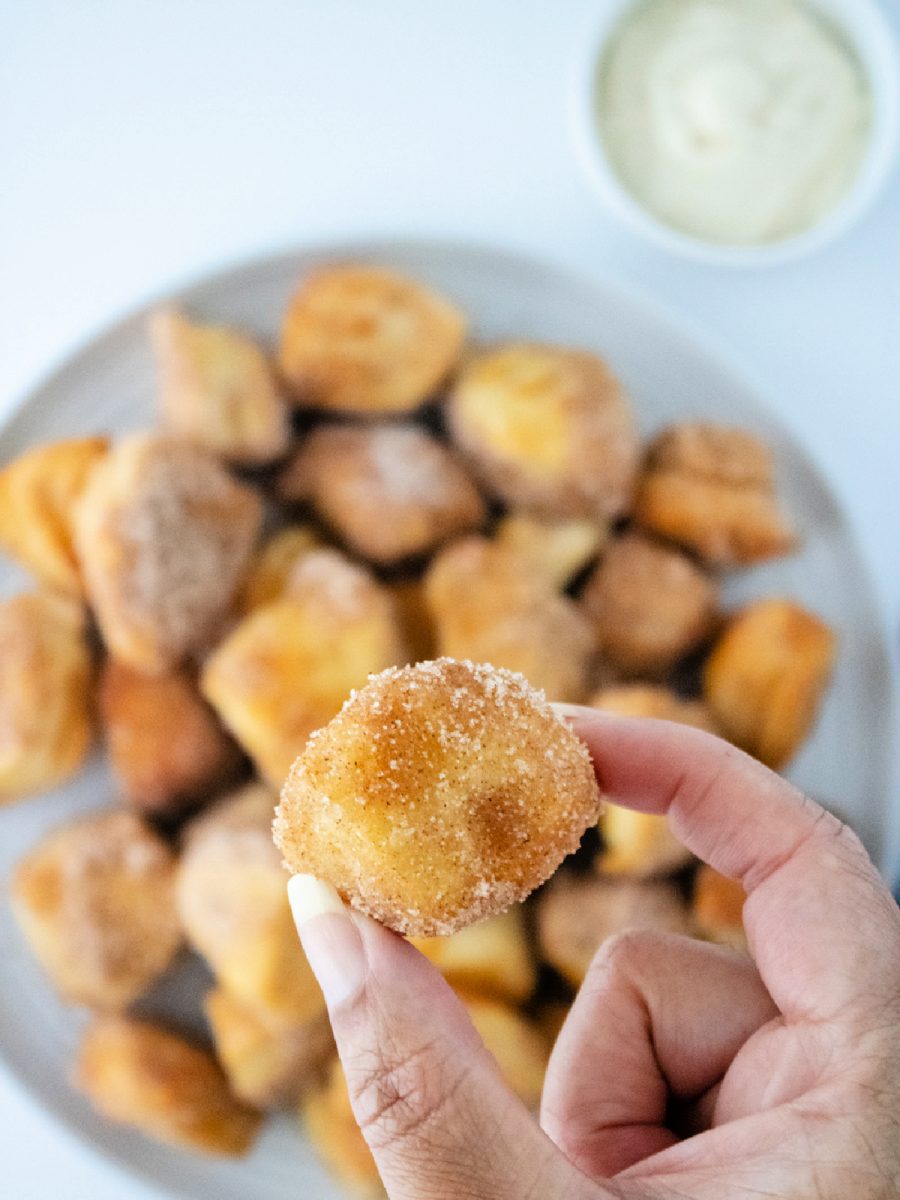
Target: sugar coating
389	491
441	794
164	534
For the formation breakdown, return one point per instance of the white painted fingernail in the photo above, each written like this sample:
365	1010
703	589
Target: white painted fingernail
575	712
330	938
310	897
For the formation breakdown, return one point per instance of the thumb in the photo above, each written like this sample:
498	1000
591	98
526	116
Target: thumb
428	1097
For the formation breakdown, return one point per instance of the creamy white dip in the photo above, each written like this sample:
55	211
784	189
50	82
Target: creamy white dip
736	121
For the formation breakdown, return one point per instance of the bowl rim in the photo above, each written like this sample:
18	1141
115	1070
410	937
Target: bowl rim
865	27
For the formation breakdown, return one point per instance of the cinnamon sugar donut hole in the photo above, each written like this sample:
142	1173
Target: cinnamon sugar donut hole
441	794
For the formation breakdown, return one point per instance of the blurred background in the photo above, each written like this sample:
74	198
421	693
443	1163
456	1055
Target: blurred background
147	143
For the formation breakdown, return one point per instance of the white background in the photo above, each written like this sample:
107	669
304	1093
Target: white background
144	143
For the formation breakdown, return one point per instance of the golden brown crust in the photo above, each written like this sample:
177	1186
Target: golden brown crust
650	605
46	710
338	1140
561	549
440	795
165	746
491	958
139	1074
268	576
267	1067
96	902
163	534
712	490
490	604
575	915
547	428
766	677
364	340
232	900
218	390
287	668
38	494
389	491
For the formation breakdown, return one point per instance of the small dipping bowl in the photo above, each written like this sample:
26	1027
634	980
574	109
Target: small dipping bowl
866	31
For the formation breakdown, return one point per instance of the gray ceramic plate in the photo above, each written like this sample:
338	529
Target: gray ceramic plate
109	386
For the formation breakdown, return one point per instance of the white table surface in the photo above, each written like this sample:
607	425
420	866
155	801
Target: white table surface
146	143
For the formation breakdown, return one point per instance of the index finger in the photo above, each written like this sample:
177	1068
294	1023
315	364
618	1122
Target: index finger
821	924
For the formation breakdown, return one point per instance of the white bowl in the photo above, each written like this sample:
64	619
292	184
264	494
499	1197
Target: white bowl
865	28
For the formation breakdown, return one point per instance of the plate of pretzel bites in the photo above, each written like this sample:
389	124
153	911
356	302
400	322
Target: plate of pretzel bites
230	511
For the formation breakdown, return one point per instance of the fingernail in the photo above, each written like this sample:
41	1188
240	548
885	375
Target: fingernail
574	712
329	937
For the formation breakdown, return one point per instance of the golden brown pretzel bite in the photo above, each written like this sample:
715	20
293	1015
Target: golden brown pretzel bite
388	491
547	428
163	534
96	901
218	390
364	340
46	709
650	605
438	796
38	494
712	490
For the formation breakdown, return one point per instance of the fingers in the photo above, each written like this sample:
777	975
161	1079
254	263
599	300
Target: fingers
657	1016
821	925
427	1095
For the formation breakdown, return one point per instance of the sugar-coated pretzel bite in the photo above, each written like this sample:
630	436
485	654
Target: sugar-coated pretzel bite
138	1074
286	668
766	677
560	549
365	340
491	958
232	902
218	390
96	901
712	489
548	429
389	491
575	915
272	564
38	494
491	604
267	1066
439	795
166	748
163	534
46	709
650	604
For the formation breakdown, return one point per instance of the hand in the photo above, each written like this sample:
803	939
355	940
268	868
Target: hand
683	1070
